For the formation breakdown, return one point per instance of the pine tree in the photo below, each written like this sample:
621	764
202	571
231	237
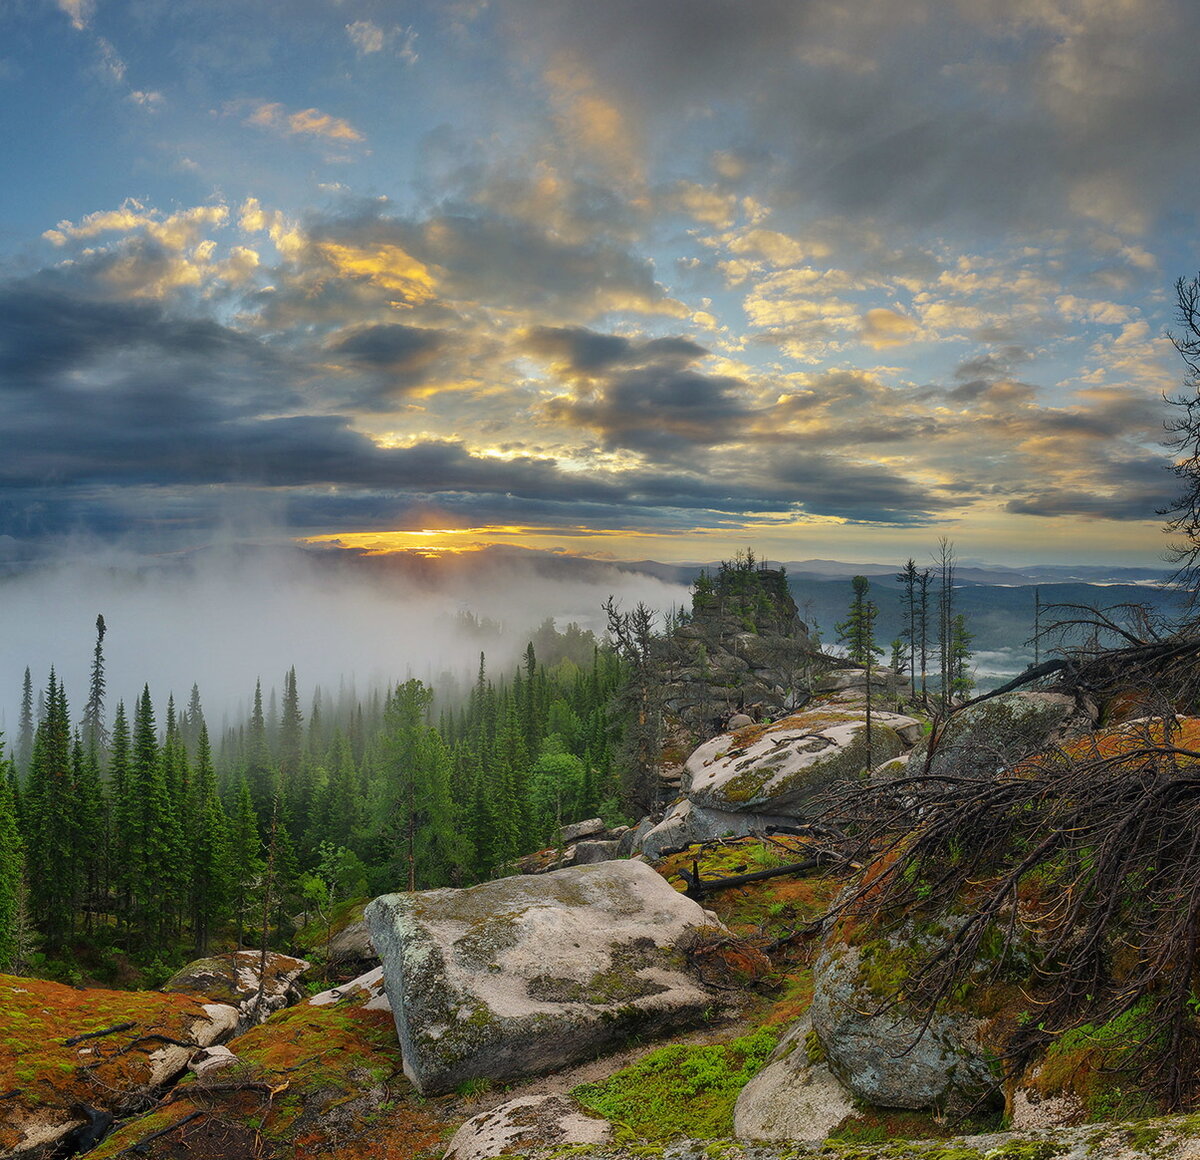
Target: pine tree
119	873
857	631
260	769
961	681
245	857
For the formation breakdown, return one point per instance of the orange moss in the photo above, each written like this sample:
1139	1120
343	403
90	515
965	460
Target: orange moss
1130	740
36	1019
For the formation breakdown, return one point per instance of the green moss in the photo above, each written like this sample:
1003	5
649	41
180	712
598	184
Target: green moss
680	1090
813	1049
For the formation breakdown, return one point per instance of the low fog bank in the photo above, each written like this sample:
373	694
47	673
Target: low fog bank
223	618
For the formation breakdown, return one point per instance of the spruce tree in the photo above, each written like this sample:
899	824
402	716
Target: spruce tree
151	873
95	736
12	871
208	848
52	840
25	727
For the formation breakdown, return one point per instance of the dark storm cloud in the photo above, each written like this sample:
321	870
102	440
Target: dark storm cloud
658	409
864	492
1123	490
913	110
587	352
121	414
403	350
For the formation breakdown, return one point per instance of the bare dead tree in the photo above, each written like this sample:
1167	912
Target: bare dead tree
1106	834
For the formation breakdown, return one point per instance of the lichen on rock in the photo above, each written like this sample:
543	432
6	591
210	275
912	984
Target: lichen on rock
523	975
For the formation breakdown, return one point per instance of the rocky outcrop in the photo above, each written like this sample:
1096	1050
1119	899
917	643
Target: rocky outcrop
885	1054
526	974
237	979
995	734
783	767
545	1121
795	1097
583	843
686	823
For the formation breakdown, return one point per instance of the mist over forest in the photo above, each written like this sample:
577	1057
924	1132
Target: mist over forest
225	617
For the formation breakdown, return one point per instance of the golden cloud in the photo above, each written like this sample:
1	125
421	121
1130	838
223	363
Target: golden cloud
304	123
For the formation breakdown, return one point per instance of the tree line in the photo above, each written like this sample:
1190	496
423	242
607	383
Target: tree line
139	838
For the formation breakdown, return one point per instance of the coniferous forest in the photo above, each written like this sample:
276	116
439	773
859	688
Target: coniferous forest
132	840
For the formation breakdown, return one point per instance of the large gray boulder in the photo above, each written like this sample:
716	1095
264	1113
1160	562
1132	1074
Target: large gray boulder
880	1052
527	974
686	823
781	768
994	735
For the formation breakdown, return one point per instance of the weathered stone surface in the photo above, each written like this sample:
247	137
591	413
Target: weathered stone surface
793	1097
366	991
548	1121
588	853
631	840
585	829
740	721
994	735
687	823
781	768
352	944
208	1060
883	1057
235	979
1164	1138
526	974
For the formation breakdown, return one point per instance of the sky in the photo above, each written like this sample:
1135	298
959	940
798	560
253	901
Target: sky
634	279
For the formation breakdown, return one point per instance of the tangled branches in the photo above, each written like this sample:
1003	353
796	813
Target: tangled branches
1089	854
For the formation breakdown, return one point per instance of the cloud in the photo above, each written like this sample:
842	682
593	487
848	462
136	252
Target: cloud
369	38
302	123
882	327
79	11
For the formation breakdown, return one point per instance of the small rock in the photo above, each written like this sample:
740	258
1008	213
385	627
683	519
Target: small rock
588	853
579	830
548	1121
212	1059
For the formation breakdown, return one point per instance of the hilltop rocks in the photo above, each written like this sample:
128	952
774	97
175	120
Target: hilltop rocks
235	979
523	975
995	734
781	768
